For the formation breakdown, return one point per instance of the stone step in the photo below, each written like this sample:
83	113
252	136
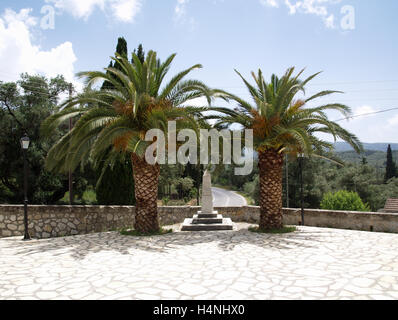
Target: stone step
189	226
207	215
198	219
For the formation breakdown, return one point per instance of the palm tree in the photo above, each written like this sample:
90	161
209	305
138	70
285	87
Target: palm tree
282	123
113	123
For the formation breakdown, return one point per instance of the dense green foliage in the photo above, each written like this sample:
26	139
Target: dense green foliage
23	106
179	184
343	200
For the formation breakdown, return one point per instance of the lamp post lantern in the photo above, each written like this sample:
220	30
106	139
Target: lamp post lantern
25	145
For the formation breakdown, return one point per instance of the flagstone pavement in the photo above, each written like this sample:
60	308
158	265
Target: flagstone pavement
311	263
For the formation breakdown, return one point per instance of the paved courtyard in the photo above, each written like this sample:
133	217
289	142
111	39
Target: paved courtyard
311	263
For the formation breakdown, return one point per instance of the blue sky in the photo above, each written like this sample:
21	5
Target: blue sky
222	35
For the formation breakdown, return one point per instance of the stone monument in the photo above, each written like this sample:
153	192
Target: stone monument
207	219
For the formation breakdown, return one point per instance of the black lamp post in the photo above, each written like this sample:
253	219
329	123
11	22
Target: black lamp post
301	156
25	145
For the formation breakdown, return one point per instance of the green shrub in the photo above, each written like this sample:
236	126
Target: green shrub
252	190
177	203
343	200
193	193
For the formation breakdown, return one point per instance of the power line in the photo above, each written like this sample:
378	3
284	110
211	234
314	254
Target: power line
309	85
32	88
37	89
353	82
42	93
13	75
366	114
373	99
330	83
40	83
360	91
347	92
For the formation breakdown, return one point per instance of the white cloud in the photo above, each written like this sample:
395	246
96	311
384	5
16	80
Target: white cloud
78	8
180	9
180	14
316	7
271	3
125	10
363	110
197	102
122	10
18	54
393	122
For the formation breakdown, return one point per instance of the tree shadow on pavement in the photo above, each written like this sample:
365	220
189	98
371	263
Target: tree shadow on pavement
82	245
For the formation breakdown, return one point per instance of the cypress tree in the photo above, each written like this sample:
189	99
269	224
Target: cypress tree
117	185
121	49
140	53
107	85
391	170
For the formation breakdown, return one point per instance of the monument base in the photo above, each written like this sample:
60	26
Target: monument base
207	222
207	215
207	219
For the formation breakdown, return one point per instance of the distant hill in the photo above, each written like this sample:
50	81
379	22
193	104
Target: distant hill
374	158
344	146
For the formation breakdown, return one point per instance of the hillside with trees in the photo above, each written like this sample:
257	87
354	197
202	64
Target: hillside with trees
363	174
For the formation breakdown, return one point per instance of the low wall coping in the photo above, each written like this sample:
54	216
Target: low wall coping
343	212
306	210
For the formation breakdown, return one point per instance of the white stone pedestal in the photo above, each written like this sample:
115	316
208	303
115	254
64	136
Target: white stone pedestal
207	219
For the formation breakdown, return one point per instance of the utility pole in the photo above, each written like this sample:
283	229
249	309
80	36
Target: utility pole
301	188
70	172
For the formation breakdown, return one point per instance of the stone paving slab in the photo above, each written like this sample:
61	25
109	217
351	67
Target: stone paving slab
312	263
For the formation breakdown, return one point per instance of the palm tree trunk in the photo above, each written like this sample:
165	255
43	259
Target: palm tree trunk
270	167
146	179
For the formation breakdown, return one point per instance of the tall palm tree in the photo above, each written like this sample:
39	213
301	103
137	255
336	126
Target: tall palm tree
282	123
113	123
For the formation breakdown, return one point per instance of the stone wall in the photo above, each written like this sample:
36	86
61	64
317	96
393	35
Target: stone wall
365	221
55	221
